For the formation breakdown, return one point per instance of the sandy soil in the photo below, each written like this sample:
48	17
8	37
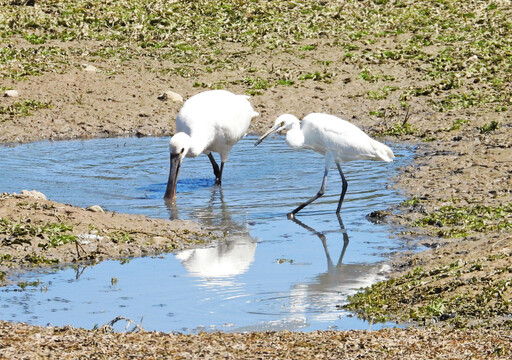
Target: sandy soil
463	167
32	342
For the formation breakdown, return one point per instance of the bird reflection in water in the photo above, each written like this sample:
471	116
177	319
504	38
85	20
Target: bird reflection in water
327	290
230	256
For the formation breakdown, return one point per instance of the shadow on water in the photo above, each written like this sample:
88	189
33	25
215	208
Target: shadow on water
265	272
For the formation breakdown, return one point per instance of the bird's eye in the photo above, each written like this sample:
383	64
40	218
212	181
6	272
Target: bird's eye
183	149
282	123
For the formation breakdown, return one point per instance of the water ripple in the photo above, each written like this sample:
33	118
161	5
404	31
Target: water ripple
269	273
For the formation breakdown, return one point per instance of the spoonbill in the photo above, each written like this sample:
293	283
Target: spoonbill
336	139
211	121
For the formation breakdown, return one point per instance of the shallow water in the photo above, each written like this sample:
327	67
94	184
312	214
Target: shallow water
271	274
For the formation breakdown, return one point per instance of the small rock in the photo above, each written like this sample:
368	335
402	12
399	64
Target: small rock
11	93
158	240
377	217
90	68
86	238
95	208
472	59
171	95
33	194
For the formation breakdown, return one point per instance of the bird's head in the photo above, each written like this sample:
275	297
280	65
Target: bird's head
179	147
283	122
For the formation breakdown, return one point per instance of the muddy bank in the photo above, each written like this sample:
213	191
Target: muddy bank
35	232
25	341
434	74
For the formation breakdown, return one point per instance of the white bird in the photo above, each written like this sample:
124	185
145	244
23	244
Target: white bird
211	121
336	139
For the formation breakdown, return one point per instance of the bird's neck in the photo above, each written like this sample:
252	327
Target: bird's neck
196	147
295	137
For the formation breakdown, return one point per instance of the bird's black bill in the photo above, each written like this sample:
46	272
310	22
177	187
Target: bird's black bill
170	192
267	134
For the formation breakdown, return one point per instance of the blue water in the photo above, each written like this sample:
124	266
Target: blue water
269	273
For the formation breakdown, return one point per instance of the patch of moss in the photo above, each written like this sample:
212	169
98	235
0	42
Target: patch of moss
398	129
55	234
457	293
487	128
23	108
461	221
40	260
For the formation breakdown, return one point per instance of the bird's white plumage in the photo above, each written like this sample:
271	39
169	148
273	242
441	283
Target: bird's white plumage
336	139
215	121
211	121
328	134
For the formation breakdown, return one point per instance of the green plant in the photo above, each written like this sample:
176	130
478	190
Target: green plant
435	308
487	128
461	221
398	129
457	124
381	93
23	108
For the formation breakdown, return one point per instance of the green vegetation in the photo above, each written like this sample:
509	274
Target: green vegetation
24	284
369	76
23	108
256	85
410	202
40	260
460	221
318	76
457	124
470	66
493	125
18	233
119	237
398	129
421	295
381	93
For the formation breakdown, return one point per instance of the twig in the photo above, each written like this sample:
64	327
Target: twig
109	327
406	116
77	250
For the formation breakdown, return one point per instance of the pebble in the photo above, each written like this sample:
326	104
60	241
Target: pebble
33	194
11	93
86	238
472	58
171	95
158	240
95	208
90	68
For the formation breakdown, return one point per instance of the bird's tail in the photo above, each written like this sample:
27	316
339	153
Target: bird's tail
382	152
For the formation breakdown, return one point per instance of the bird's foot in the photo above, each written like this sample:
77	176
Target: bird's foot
290	216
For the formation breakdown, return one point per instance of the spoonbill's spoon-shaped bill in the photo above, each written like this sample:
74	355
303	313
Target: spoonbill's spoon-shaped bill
211	121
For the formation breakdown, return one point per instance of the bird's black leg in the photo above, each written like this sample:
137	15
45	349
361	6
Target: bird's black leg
344	187
220	175
216	171
318	194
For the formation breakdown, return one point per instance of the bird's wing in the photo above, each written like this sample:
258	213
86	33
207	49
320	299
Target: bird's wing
345	141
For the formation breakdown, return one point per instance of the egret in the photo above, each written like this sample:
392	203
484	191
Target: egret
211	121
336	139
